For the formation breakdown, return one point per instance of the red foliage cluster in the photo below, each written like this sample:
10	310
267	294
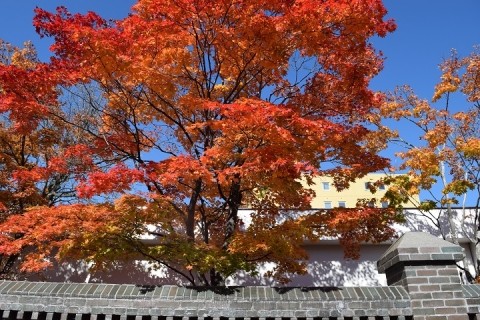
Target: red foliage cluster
211	106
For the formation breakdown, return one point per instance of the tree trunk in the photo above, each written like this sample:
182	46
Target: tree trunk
190	220
234	203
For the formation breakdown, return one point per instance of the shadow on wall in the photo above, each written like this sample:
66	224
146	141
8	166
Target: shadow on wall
436	222
134	272
328	267
423	222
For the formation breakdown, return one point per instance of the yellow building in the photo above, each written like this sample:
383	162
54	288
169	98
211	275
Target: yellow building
328	197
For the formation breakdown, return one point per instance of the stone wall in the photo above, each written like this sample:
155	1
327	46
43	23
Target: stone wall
173	301
423	284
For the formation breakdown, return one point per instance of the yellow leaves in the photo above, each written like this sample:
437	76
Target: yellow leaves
450	79
129	202
403	104
471	149
424	164
448	85
460	75
427	205
438	135
393	109
378	140
462	117
449	144
278	242
26	57
448	201
420	108
471	78
458	187
23	57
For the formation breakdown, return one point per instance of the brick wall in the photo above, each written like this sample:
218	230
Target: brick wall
426	267
173	301
423	284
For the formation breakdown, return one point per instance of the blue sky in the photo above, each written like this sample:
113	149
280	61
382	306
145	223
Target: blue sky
427	32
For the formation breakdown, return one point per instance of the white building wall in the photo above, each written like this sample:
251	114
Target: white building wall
327	266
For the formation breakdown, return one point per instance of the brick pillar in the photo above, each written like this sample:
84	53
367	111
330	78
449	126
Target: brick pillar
425	266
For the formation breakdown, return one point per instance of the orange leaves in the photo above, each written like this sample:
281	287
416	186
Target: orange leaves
470	147
450	79
49	24
447	150
210	106
28	88
27	178
471	78
460	74
403	104
449	84
48	231
32	142
356	226
25	96
117	179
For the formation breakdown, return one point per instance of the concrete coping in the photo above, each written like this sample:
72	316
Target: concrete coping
418	247
172	292
79	300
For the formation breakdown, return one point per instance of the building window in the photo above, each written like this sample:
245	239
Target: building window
327	204
326	185
384	204
342	204
381	187
368	185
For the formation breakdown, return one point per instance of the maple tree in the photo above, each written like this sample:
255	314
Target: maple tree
446	161
193	109
28	175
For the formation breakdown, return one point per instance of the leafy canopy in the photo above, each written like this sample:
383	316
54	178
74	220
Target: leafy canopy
444	159
30	143
192	109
